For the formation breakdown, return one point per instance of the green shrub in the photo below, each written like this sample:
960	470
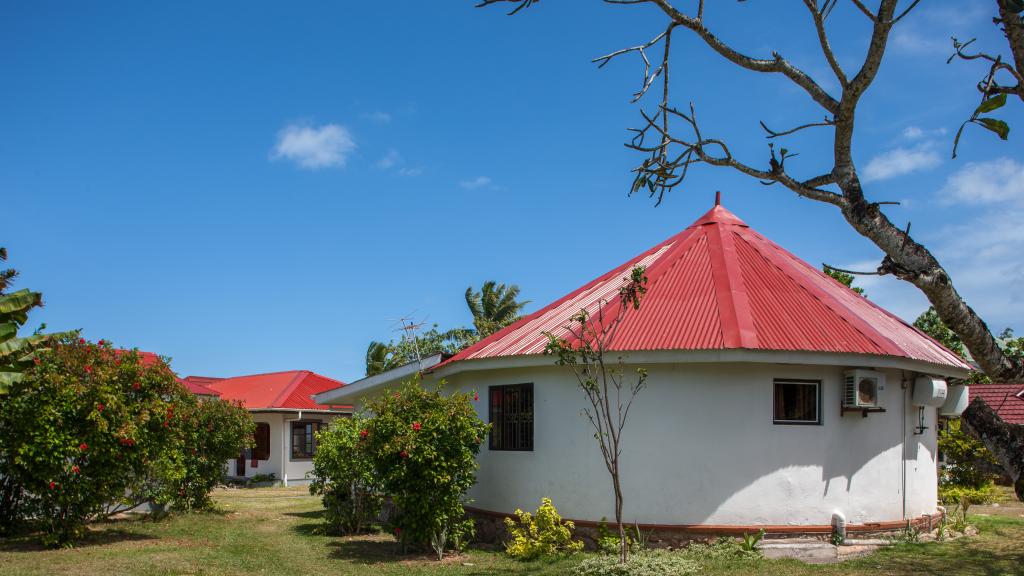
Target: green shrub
644	563
85	424
344	477
422	446
210	432
968	463
541	534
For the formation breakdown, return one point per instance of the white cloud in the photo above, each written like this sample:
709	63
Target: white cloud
910	40
314	148
478	182
1000	180
983	254
377	116
912	133
900	161
918	133
410	172
390	160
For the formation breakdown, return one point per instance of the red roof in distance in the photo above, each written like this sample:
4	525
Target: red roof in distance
200	385
291	390
718	285
1006	399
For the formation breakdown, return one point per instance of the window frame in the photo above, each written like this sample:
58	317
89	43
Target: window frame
317	425
262	429
493	440
817	407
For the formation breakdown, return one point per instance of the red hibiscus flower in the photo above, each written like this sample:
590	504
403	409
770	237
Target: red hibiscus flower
100	407
136	386
83	446
102	342
76	469
81	340
88	369
53	485
416	426
403	454
364	433
476	397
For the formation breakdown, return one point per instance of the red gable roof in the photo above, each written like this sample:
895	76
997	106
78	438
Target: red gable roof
720	285
280	390
1006	399
200	385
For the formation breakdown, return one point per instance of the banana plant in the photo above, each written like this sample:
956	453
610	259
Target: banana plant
17	353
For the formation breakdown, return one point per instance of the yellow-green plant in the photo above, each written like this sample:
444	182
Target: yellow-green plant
540	534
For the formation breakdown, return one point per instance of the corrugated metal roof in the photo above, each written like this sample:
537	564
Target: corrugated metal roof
720	285
200	385
277	390
1005	399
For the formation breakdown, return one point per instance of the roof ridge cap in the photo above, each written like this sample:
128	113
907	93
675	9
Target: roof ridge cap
290	387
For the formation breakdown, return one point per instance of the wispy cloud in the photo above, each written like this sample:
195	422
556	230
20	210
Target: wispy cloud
999	180
389	160
377	116
983	253
478	182
410	172
314	147
901	161
918	133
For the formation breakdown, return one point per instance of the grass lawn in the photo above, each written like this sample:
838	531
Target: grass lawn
276	531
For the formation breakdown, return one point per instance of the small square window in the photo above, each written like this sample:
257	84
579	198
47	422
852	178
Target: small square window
797	402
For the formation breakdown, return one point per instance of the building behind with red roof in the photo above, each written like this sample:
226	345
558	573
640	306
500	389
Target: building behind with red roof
1006	399
286	418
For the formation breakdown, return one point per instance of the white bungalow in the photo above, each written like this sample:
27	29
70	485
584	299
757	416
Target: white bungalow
776	398
287	420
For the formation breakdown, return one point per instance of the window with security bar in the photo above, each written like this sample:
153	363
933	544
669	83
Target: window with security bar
511	415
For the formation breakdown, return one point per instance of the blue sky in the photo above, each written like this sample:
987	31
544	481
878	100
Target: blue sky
252	186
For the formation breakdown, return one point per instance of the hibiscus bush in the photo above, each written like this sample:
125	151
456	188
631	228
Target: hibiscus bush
422	446
344	477
84	424
210	432
91	430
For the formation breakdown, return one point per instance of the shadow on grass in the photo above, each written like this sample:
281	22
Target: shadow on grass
102	537
309	514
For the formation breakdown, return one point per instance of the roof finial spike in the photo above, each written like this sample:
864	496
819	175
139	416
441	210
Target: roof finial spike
718	198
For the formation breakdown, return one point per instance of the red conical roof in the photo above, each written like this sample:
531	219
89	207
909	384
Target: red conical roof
720	285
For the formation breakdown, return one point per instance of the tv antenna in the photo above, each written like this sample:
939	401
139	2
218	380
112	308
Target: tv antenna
409	328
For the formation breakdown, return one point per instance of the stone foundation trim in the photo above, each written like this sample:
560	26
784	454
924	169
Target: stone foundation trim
925	523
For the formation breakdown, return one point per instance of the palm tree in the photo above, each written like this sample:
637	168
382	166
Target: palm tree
494	306
379	358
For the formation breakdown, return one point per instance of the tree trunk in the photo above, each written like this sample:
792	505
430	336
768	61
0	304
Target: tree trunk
623	544
1005	441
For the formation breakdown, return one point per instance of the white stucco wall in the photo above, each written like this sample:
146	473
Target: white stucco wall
700	447
285	469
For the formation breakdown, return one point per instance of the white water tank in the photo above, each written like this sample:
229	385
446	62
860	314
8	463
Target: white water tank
929	391
957	399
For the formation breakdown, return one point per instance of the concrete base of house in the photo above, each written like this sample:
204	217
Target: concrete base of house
810	540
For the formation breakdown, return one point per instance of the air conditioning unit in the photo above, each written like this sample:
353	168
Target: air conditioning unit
861	388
